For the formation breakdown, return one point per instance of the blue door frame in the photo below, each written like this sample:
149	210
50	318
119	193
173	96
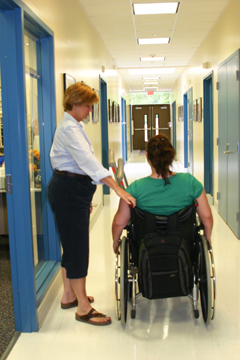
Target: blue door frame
130	114
190	130
26	294
174	130
124	129
104	128
208	134
185	116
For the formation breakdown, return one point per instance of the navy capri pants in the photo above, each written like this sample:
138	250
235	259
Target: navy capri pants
70	199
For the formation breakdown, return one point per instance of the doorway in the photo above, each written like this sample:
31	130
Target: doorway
104	128
190	131
208	134
174	130
185	117
149	120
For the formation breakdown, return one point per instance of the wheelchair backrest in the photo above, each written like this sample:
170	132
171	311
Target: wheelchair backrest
183	221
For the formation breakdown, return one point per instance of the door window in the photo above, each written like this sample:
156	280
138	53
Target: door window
145	128
32	76
156	124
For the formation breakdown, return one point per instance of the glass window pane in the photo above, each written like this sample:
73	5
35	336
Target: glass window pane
32	78
157	124
145	128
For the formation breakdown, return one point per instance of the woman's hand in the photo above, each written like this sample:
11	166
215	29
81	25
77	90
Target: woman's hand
119	191
131	201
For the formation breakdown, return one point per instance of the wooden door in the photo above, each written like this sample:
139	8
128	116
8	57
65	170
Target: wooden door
148	121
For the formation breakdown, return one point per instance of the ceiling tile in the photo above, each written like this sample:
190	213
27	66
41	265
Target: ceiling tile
119	30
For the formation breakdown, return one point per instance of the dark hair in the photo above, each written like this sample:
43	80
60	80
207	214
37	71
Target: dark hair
161	154
79	94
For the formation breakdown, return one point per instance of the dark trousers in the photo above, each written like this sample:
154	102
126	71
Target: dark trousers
70	199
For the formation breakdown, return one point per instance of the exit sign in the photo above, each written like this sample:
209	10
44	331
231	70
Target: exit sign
150	92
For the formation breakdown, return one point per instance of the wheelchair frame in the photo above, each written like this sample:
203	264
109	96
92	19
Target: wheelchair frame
204	280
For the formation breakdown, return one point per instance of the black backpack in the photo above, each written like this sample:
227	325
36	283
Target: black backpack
164	253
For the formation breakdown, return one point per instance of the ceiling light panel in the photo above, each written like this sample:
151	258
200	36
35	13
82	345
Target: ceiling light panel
155	58
155	8
153	41
145	71
150	83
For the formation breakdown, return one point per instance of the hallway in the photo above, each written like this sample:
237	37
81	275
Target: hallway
163	329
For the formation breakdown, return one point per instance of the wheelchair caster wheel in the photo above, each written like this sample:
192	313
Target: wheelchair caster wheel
133	314
196	314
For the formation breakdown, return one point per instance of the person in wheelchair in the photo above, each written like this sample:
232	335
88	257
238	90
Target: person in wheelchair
164	192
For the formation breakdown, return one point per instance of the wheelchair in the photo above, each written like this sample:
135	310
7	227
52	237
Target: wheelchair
164	257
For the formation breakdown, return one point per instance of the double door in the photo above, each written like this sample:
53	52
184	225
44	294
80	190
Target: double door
149	120
229	138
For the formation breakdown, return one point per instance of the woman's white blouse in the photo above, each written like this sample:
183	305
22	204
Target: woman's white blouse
72	151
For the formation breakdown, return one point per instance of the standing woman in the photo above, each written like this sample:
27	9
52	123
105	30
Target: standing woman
76	174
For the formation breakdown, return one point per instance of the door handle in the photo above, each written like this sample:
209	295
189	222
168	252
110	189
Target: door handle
227	152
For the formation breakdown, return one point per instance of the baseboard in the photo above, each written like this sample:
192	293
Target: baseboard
49	298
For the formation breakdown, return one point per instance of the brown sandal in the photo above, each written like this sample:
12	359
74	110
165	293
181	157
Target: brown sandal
87	318
75	303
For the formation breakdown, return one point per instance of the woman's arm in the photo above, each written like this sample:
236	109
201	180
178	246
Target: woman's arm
205	215
119	191
120	220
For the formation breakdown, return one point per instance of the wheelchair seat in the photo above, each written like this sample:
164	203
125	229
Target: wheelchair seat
162	257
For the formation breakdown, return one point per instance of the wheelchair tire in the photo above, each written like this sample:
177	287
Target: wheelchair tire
124	256
117	282
196	314
206	281
133	314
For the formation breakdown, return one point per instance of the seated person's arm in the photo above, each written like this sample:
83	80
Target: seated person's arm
120	221
205	215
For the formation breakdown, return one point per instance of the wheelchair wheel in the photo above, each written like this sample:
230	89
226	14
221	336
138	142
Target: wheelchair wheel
207	280
124	256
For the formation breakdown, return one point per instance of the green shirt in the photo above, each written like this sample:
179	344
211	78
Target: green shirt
159	199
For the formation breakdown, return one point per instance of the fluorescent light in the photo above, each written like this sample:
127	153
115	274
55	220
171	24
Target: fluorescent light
150	82
154	41
151	78
155	58
153	71
150	88
155	8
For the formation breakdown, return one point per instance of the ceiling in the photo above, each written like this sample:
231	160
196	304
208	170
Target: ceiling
119	29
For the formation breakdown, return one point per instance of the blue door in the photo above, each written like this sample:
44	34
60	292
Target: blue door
185	117
104	128
233	141
223	139
228	109
208	135
174	130
124	129
190	131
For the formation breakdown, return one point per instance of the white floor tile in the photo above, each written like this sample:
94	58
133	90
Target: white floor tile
163	329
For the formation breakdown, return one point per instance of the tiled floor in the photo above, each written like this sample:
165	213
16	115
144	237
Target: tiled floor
163	329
